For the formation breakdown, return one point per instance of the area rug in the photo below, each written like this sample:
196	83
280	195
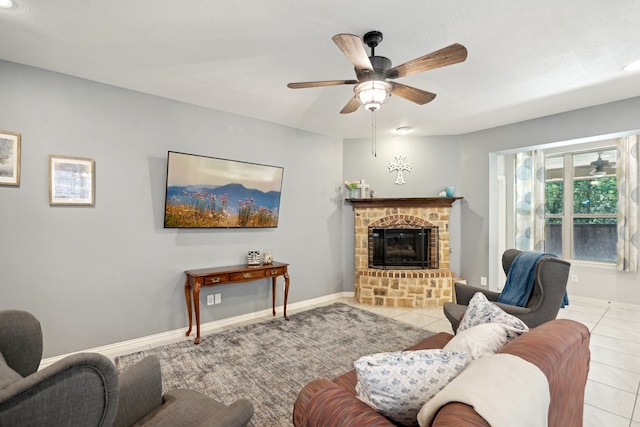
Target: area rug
271	361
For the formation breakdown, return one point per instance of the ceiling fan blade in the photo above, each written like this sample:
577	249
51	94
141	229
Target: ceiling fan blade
440	58
353	49
412	94
351	106
301	85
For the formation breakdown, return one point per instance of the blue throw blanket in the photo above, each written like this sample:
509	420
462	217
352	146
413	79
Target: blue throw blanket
520	279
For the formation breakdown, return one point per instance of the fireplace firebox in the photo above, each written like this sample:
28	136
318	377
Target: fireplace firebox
404	248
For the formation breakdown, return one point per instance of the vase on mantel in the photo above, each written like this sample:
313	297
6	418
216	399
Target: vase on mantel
352	193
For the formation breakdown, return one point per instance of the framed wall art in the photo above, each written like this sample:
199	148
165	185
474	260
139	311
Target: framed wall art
71	181
209	192
9	158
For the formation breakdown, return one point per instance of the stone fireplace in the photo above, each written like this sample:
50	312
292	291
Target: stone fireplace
402	251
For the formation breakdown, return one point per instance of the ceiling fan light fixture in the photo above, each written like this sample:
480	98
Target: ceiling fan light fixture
403	130
372	93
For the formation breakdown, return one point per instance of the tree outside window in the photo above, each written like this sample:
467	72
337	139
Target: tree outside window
584	195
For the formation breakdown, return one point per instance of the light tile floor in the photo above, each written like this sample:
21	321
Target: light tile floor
611	396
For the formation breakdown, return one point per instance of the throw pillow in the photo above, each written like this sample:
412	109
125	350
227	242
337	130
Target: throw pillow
480	310
480	340
398	384
7	375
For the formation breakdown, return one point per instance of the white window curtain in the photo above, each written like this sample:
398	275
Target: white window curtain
530	201
627	178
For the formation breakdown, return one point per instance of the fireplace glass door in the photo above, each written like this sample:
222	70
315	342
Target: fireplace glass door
403	248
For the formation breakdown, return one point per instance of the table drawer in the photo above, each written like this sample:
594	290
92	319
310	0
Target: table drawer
275	271
246	275
216	280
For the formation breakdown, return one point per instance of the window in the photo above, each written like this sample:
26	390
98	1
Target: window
581	205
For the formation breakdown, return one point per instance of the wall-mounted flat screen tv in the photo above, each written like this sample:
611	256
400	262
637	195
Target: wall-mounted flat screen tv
208	192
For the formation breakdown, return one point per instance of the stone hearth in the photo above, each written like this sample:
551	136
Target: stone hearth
410	287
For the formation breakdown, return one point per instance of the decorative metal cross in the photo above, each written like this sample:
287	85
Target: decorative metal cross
400	166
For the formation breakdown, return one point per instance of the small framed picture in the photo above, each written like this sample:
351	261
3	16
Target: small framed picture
9	158
71	181
253	258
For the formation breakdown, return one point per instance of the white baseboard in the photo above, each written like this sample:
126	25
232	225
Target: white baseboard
130	346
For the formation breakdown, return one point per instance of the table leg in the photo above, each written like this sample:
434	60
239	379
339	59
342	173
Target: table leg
187	297
196	303
286	293
273	294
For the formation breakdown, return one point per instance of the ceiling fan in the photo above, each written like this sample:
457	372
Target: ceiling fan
598	166
372	87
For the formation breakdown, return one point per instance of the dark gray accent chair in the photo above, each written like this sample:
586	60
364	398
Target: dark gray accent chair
85	389
549	287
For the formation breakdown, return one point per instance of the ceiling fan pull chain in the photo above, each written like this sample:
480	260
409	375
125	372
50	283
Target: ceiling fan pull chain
373	134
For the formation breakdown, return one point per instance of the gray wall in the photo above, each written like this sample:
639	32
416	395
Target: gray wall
603	120
435	164
109	273
464	161
104	274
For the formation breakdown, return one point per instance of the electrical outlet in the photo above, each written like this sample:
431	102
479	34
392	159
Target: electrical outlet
210	300
483	281
218	298
574	278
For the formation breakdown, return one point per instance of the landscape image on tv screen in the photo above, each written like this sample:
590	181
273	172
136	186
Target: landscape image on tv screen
208	192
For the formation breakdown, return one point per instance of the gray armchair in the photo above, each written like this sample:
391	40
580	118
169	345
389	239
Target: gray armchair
85	389
549	287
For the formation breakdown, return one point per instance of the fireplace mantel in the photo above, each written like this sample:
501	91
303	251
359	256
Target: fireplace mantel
381	202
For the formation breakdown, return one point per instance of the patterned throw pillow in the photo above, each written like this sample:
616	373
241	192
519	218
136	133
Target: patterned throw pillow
398	384
480	310
481	340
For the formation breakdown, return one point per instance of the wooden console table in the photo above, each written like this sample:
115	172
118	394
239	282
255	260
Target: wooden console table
229	275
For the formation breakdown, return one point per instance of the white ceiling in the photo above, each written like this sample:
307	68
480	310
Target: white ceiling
526	59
